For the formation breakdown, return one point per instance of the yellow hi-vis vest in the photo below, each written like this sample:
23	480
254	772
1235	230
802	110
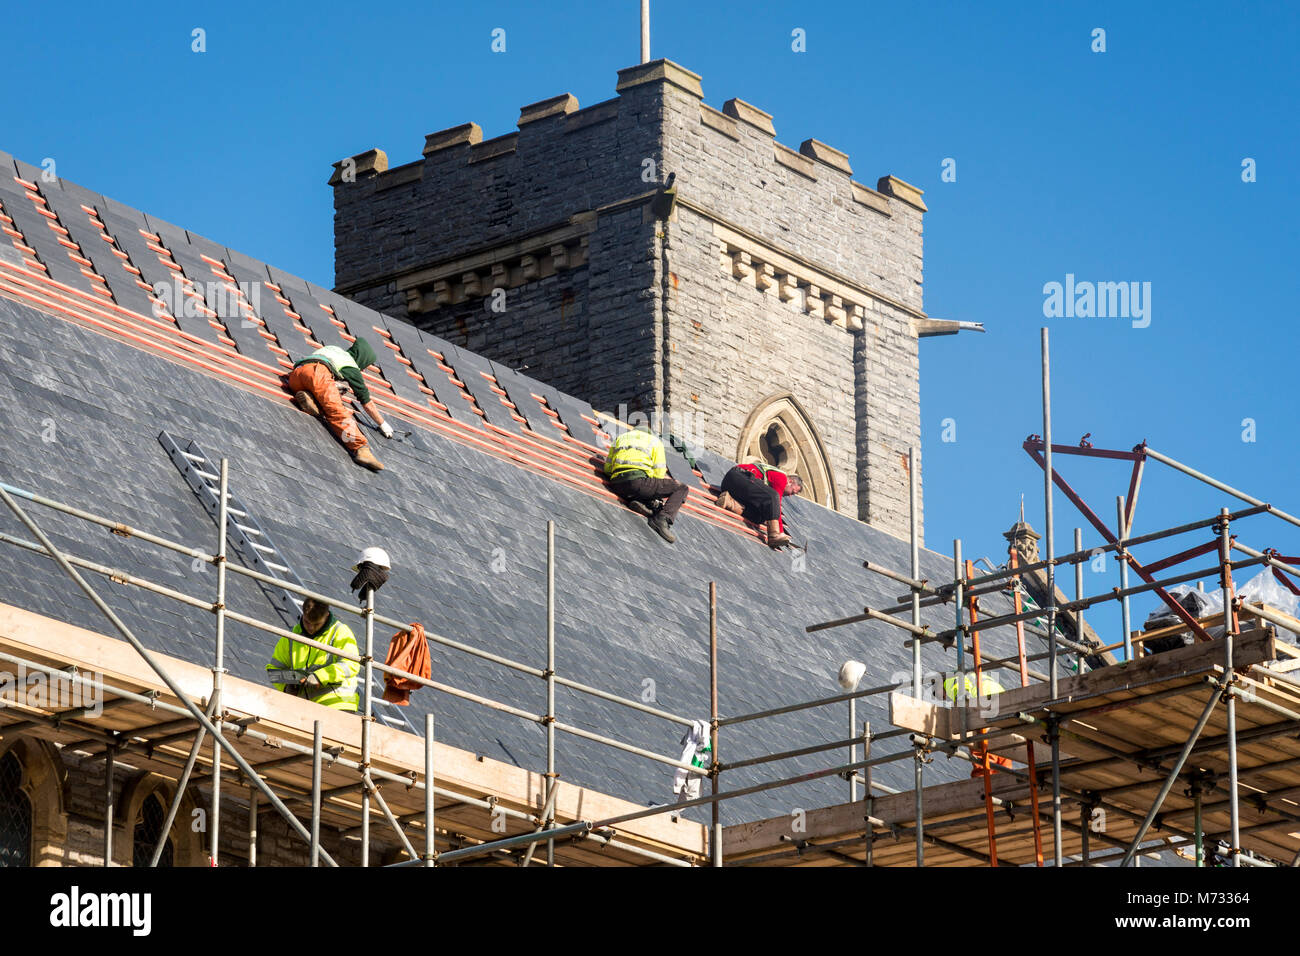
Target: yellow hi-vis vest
338	676
336	358
988	687
636	450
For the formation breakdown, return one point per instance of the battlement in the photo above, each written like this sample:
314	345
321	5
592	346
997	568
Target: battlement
564	159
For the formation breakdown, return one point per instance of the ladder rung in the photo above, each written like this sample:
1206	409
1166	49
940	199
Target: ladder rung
236	512
276	567
207	474
247	530
263	547
194	458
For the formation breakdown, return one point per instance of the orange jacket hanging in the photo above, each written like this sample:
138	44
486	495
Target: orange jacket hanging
408	651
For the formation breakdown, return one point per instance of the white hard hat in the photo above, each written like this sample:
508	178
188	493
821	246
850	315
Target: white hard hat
850	673
376	556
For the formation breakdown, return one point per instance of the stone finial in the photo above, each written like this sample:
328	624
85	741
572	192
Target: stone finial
561	105
370	163
467	134
826	154
893	186
1025	540
660	71
739	109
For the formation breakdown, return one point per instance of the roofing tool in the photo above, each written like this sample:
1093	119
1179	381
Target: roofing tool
286	676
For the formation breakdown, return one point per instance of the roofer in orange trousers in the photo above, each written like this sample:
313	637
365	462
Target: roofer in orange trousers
313	382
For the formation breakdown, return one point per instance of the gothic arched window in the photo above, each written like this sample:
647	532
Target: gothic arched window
147	830
15	815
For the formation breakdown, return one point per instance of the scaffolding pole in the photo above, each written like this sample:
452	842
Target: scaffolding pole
914	534
1229	636
1122	557
551	774
315	793
219	661
367	720
715	772
1049	540
430	852
1172	778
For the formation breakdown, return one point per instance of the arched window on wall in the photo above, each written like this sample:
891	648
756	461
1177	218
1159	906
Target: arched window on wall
779	433
15	815
148	827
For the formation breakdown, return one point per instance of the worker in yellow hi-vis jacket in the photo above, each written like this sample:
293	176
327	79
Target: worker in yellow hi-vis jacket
638	473
311	672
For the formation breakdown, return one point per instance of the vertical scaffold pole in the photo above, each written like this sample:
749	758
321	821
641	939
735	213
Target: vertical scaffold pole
367	717
252	826
1121	555
110	758
428	791
315	792
1078	594
219	663
1229	635
914	531
1049	538
715	835
551	776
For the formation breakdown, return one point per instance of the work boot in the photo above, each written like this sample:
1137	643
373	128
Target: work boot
777	542
726	502
304	402
640	507
363	456
663	527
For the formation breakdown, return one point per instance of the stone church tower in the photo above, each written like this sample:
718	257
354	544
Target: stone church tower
762	302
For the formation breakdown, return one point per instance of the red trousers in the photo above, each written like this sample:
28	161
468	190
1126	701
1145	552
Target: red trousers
316	379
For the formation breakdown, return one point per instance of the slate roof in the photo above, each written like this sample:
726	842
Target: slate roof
91	376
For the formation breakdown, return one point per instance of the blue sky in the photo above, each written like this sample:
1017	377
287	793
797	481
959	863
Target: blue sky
1123	165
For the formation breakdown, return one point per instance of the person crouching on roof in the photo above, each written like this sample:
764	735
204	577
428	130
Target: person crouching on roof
313	383
755	491
311	672
637	469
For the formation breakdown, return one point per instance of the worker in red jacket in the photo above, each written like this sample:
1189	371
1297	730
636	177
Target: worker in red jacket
755	491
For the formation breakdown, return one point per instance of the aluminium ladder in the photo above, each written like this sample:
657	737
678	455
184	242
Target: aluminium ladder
255	548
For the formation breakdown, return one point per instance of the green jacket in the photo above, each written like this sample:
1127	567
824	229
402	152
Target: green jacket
347	364
338	676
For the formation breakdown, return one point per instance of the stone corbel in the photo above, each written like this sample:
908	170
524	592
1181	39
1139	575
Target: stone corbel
472	283
442	292
857	318
764	277
742	266
559	257
813	303
528	265
835	312
787	287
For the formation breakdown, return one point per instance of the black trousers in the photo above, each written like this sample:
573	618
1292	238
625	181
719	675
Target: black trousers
760	500
647	489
